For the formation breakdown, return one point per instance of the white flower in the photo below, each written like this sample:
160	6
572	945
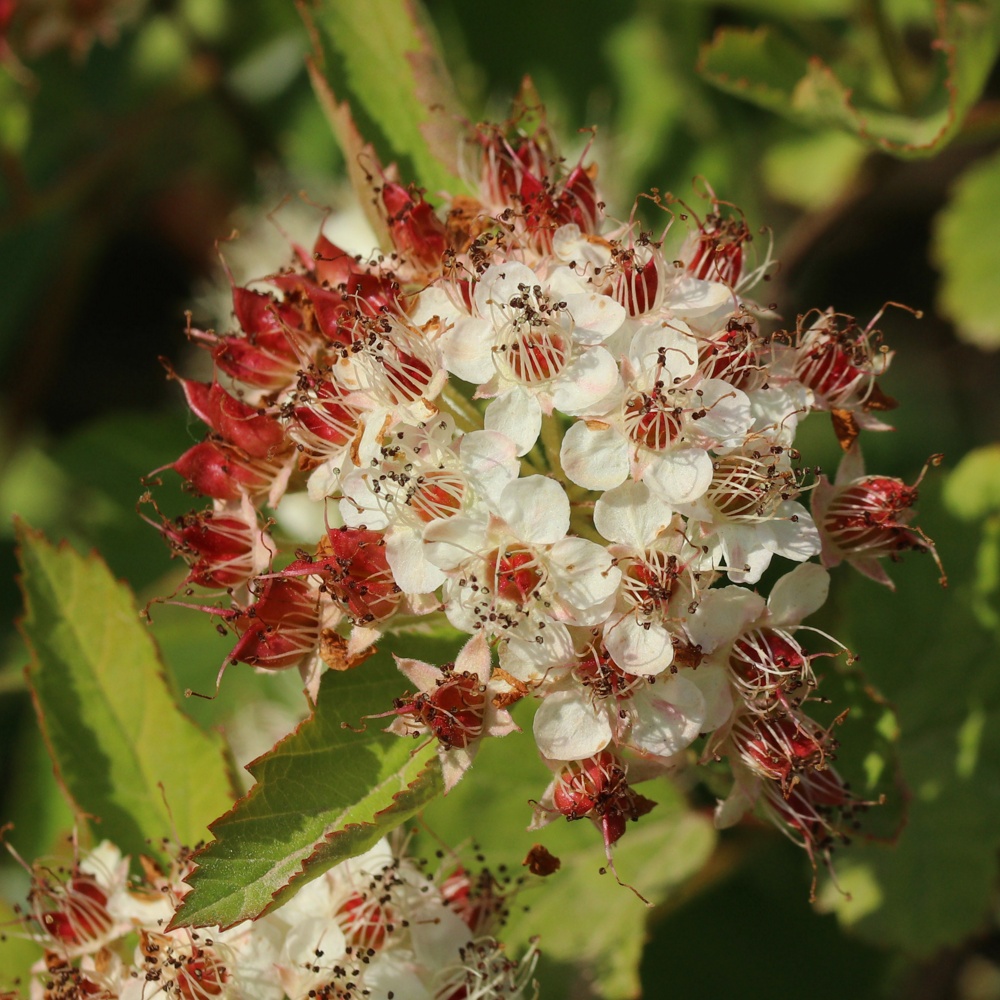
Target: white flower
533	344
661	426
519	562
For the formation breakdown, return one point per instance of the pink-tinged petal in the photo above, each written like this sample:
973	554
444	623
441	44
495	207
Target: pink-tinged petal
873	569
596	317
852	466
516	414
536	510
583	577
595	455
679	476
738	803
585	382
722	614
452	541
630	515
423	676
636	648
406	555
467	349
668	716
490	462
569	726
455	761
798	594
474	658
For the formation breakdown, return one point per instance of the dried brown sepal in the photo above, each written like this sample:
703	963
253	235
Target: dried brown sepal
845	427
333	651
504	699
880	401
541	861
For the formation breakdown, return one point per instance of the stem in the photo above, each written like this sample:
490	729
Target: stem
892	51
551	437
467	416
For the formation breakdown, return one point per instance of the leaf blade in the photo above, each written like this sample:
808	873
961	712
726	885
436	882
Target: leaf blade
295	823
106	709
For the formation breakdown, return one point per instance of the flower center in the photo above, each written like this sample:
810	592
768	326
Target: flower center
518	574
746	489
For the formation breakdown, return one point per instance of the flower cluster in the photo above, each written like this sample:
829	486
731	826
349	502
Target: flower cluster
375	926
576	446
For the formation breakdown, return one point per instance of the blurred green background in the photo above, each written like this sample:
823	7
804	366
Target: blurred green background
135	136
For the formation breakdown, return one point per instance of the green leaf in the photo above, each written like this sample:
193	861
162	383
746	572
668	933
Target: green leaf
323	794
966	249
763	67
381	60
123	752
588	925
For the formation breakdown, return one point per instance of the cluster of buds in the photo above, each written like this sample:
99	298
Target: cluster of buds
375	926
575	446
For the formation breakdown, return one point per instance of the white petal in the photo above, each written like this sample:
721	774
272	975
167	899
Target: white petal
670	339
585	383
517	414
791	533
489	459
691	296
636	648
499	284
680	475
596	316
798	594
413	572
536	509
727	414
722	614
467	349
582	576
595	455
668	716
630	515
450	542
529	660
569	726
713	682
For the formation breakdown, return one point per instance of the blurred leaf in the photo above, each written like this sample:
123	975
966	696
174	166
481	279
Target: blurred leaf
107	460
588	924
122	750
924	650
323	794
763	67
812	170
966	249
381	59
972	490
